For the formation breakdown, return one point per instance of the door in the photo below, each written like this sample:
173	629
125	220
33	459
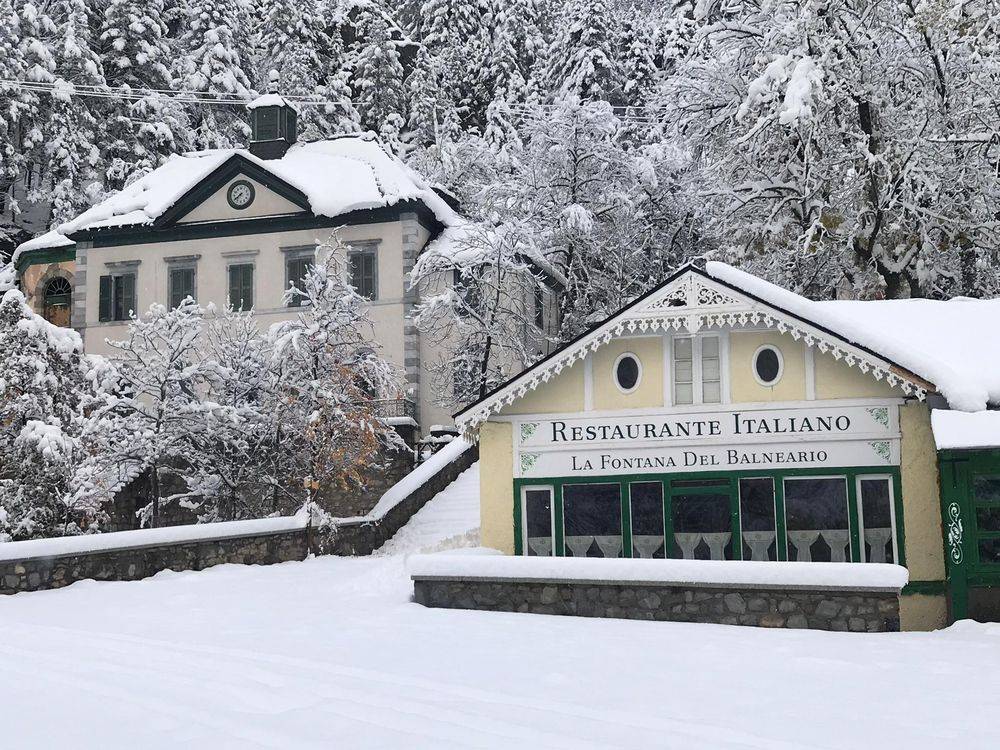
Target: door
703	519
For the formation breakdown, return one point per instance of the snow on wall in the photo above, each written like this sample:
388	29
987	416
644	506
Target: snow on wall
964	430
72	545
940	341
811	575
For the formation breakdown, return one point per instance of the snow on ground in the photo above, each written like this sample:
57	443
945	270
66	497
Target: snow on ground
331	652
450	519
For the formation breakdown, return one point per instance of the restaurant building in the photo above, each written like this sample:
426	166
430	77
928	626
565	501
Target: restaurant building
720	417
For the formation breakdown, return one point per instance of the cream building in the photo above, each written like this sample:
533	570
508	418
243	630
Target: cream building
239	226
721	417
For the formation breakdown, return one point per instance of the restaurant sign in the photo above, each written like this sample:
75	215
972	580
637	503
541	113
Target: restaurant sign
732	439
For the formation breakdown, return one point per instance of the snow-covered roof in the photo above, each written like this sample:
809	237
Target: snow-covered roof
917	345
49	240
962	430
270	100
336	176
940	341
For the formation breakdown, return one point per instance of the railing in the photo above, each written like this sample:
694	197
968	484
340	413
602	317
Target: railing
395	407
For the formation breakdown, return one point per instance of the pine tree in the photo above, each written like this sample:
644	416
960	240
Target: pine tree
378	78
145	126
291	42
517	51
36	32
14	104
581	59
340	111
209	60
72	130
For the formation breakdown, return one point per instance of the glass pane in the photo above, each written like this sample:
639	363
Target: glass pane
816	519
710	347
710	369
683	393
647	519
682	349
538	522
592	519
767	365
711	393
683	372
989	551
702	529
986	488
876	519
627	373
757	519
988	519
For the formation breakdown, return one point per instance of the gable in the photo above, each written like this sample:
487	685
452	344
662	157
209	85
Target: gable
691	303
216	207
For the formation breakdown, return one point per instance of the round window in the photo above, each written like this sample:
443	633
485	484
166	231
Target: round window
767	365
627	372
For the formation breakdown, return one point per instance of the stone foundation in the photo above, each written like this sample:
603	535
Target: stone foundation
762	606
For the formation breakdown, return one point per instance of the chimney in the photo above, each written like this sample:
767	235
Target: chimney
273	126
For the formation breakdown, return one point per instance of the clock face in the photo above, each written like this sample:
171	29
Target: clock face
240	194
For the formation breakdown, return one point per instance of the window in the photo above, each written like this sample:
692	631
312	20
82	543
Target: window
697	370
58	295
757	519
817	520
646	504
296	268
537	512
364	276
467	287
627	372
768	365
701	522
181	283
711	370
241	286
875	519
986	501
117	297
539	300
592	520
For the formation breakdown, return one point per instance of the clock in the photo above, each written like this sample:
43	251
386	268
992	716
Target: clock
240	194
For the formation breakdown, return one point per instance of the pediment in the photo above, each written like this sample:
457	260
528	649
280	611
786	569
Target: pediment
217	206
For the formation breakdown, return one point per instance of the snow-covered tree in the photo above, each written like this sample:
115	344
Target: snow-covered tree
844	143
144	126
211	60
378	79
331	375
71	130
42	377
581	60
150	424
479	292
292	40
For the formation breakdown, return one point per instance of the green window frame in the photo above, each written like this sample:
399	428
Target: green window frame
363	265
297	264
731	485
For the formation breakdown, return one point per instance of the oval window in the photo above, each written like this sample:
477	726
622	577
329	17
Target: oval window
627	372
767	365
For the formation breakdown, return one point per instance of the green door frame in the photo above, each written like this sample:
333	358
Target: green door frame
958	470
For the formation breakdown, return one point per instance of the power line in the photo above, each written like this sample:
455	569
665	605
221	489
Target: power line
184	96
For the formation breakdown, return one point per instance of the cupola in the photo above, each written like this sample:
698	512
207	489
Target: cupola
273	126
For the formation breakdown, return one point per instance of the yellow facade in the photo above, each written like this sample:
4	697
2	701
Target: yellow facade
808	378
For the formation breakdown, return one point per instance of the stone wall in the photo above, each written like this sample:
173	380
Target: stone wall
363	536
360	536
871	611
134	563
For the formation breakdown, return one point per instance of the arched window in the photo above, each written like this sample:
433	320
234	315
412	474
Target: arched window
58	296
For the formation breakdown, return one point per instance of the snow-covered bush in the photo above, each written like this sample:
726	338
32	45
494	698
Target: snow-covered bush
42	378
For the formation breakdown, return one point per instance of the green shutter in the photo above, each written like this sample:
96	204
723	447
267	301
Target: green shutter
127	282
235	296
104	308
